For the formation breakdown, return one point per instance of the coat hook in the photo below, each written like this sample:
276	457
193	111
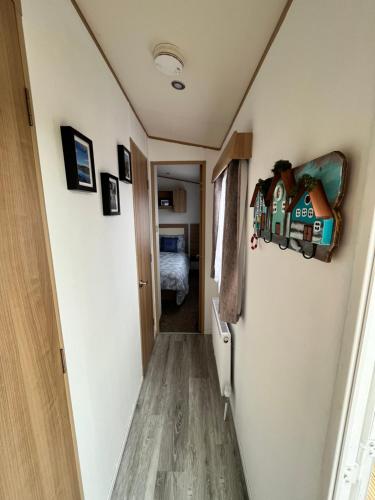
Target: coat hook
283	248
308	257
267	241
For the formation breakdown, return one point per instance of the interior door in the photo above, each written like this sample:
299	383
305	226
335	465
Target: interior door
143	245
37	458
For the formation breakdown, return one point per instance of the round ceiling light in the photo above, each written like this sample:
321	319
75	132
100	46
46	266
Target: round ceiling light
176	84
168	59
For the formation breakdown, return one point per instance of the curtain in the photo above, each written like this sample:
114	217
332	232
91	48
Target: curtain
229	238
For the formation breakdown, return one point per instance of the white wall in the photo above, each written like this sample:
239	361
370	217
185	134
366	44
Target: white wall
192	214
166	151
315	93
94	256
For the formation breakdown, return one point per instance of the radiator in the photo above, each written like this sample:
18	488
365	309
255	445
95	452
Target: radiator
222	340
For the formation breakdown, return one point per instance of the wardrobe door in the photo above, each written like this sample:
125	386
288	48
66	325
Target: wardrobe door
37	456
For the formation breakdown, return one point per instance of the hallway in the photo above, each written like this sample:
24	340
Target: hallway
178	445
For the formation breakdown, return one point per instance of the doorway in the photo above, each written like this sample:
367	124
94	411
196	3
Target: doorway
178	198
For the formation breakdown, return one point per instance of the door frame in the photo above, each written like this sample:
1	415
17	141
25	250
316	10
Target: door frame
359	381
145	362
202	231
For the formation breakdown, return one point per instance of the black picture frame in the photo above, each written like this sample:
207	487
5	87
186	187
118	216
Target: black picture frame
110	194
79	160
124	164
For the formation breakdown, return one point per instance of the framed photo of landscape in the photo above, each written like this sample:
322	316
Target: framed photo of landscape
79	160
110	194
124	164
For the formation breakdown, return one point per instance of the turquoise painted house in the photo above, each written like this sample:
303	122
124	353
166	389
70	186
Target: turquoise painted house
279	199
305	226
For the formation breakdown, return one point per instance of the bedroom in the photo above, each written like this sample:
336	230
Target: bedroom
177	222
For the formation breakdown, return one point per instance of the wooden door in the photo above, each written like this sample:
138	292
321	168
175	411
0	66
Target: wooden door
262	221
143	246
277	228
307	232
37	457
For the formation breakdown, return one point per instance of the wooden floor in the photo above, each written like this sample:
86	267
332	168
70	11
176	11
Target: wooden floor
179	446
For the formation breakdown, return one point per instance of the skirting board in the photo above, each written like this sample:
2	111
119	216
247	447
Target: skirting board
249	491
179	333
124	443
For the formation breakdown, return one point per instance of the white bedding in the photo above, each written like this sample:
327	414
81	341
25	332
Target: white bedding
174	273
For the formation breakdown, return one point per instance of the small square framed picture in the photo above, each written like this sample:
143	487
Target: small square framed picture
79	160
110	194
124	164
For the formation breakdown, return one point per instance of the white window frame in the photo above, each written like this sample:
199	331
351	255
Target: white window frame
355	463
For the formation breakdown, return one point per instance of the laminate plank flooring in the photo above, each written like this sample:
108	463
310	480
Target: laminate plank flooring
179	446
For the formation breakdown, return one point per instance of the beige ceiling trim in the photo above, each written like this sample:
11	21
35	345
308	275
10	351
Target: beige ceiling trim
184	143
260	63
257	69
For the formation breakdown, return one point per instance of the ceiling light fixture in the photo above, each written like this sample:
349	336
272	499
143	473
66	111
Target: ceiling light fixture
176	84
168	59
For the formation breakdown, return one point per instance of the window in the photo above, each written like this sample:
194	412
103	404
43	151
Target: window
307	199
229	237
317	225
220	232
298	212
283	206
311	213
304	212
278	193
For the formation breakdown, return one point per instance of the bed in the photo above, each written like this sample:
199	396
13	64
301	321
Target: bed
175	266
174	274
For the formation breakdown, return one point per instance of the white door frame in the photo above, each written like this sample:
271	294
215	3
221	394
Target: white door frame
355	457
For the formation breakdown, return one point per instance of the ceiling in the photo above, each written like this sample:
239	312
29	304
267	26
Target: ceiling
183	172
222	42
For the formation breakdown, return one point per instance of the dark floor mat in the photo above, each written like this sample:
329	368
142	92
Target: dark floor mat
183	318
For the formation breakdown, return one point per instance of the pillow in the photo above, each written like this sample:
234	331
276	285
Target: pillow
180	241
168	244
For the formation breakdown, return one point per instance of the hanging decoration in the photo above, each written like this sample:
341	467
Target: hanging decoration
298	208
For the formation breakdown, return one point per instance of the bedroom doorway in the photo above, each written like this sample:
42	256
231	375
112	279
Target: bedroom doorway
178	202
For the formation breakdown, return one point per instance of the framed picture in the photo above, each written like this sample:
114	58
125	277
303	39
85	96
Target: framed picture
79	160
164	203
110	194
124	164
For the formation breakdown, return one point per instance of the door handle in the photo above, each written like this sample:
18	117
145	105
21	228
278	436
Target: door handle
142	283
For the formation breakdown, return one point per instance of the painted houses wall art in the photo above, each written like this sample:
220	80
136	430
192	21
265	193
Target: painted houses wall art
299	208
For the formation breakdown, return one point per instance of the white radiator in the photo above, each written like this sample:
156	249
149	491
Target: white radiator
222	340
